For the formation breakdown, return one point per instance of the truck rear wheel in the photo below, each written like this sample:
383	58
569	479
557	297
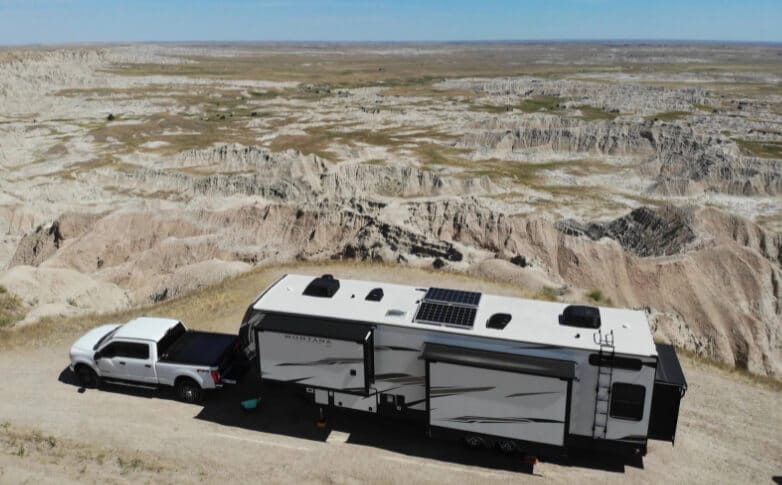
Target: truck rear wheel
87	377
188	390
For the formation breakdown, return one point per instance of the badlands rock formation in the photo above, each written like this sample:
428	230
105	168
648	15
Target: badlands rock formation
657	186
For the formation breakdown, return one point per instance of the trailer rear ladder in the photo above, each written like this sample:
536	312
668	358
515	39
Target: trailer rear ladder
605	376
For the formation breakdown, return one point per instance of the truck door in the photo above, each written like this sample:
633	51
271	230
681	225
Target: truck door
138	363
116	357
108	361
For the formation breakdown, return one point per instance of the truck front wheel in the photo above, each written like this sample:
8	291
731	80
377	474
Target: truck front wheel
87	377
188	390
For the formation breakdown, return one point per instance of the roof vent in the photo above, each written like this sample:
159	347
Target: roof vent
324	287
498	321
375	295
580	316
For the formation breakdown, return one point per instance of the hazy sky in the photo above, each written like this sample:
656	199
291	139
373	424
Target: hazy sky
65	21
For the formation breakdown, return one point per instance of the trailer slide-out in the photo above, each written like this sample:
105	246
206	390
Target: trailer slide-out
527	375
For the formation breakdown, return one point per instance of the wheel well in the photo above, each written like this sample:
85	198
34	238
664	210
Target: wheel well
182	379
82	365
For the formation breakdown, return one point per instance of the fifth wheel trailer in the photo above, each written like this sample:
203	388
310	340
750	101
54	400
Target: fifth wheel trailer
527	375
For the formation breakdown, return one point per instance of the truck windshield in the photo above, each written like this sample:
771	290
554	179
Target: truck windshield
169	338
103	339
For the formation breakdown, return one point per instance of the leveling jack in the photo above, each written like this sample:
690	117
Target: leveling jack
321	422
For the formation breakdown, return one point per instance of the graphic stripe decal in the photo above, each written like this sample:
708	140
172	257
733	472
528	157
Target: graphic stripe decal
394	347
444	391
498	420
300	379
330	361
520	394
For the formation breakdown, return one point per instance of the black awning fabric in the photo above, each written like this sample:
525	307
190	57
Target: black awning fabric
315	327
669	370
508	362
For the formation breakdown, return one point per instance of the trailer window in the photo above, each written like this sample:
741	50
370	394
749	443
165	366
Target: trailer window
627	401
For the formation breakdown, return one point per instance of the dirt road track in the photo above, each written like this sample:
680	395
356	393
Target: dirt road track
729	433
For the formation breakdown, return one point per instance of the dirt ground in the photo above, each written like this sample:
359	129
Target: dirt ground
53	432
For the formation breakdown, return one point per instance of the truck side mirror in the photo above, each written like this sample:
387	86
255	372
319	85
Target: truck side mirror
97	356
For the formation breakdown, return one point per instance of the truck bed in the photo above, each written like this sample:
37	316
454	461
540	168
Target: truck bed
200	348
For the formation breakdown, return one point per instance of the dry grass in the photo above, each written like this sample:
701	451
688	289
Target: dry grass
668	116
729	370
762	149
549	104
592	113
221	307
73	171
11	308
321	140
73	457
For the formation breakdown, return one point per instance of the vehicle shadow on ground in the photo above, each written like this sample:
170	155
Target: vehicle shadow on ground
67	376
286	412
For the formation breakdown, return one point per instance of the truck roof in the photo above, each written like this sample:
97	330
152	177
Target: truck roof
532	321
146	328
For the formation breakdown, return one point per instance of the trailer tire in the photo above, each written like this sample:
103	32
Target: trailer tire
188	390
87	376
506	446
474	442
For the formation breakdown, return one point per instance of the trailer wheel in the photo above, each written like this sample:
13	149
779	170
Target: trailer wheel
87	377
188	390
474	442
506	447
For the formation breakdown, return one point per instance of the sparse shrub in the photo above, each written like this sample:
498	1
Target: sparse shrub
519	261
596	294
111	117
548	294
11	308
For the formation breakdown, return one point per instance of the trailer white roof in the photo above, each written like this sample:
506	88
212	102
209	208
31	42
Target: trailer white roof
146	328
532	321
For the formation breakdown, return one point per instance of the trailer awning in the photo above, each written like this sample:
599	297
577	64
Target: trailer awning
669	370
315	327
497	360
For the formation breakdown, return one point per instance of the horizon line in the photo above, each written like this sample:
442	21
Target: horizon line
637	41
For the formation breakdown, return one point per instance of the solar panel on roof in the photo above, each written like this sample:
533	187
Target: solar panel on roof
439	313
453	296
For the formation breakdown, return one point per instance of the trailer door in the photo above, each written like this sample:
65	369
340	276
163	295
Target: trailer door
486	393
316	353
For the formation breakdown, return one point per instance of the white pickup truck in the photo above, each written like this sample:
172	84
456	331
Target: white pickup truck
154	352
